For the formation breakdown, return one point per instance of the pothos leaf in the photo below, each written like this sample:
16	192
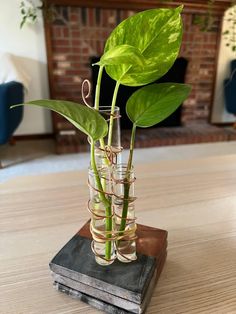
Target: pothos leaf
157	34
153	103
86	119
122	54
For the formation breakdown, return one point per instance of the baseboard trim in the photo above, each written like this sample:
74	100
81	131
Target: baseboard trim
33	137
222	124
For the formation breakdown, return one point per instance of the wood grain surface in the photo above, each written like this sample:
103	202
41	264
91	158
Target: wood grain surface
195	200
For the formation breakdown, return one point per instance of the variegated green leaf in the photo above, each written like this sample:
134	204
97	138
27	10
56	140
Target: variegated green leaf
123	54
157	34
86	119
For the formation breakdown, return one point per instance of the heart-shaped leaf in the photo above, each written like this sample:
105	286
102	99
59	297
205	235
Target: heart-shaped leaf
157	34
123	54
86	119
153	103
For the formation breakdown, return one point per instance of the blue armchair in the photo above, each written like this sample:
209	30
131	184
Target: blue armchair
230	88
10	94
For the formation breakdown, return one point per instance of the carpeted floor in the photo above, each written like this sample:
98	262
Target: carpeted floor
38	157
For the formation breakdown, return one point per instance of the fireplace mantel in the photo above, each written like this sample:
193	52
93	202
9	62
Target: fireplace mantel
218	7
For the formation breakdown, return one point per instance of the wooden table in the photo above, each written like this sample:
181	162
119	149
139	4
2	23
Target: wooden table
194	200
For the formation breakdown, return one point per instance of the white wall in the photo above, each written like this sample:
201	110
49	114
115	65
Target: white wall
29	44
219	114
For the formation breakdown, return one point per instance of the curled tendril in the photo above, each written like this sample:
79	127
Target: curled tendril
84	97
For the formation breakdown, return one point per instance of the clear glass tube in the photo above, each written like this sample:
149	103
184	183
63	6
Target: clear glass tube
102	219
106	155
124	208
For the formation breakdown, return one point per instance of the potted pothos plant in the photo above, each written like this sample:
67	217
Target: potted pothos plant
140	50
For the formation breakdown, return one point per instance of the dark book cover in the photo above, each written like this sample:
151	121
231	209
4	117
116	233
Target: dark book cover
117	288
107	298
98	304
127	280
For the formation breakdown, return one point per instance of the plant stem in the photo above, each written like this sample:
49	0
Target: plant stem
96	103
112	112
126	182
98	88
105	201
131	149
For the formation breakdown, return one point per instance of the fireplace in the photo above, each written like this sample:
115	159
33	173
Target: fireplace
175	75
80	34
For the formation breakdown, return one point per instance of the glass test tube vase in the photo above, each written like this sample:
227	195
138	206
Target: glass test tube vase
124	210
102	216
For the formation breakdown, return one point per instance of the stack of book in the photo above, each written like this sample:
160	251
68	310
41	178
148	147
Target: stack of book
118	288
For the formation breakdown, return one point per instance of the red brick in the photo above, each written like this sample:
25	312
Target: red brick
76	50
75	33
91	17
74	17
59	49
56	32
85	50
76	42
65	32
61	42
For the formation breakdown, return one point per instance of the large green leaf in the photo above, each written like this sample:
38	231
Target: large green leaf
123	54
153	103
87	120
157	33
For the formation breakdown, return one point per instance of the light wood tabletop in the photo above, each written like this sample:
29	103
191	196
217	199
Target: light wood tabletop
195	200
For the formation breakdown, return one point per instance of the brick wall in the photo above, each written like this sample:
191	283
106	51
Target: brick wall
80	33
201	49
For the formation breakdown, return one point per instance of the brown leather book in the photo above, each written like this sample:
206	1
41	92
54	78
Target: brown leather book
151	241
